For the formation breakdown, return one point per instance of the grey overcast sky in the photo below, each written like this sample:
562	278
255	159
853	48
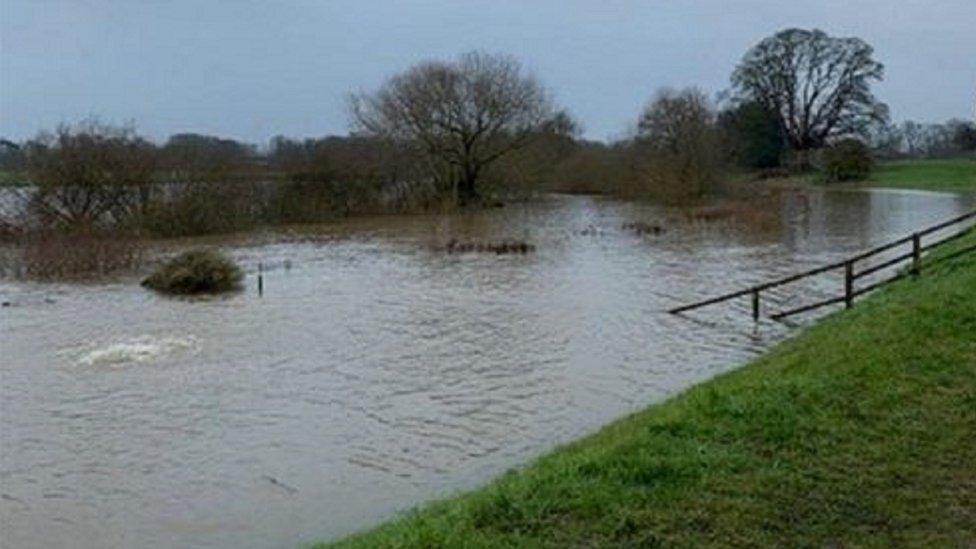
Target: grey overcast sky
253	69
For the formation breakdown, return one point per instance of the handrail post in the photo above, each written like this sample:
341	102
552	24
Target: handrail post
916	254
755	305
849	284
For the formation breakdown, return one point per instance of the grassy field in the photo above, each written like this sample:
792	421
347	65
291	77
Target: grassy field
859	432
936	175
11	179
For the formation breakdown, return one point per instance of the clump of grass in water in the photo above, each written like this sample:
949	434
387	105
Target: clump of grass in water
499	248
758	218
641	228
196	272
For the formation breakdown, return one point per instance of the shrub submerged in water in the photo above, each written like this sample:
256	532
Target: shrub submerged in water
196	272
847	160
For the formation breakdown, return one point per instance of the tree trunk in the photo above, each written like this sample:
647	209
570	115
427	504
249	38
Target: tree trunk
467	188
801	160
467	193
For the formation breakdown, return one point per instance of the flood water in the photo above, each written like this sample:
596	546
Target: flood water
377	373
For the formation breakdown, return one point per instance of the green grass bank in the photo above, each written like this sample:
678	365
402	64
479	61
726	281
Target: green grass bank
958	174
859	432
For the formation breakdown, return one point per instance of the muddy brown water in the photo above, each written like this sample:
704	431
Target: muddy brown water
377	373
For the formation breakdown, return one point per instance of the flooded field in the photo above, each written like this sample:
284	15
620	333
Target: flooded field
378	372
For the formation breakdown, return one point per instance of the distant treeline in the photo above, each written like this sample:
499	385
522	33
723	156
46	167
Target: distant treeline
955	137
476	130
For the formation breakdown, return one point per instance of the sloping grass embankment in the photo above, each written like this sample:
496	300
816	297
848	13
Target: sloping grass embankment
859	432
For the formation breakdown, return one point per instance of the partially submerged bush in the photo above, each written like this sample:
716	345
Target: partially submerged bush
196	272
641	228
503	247
847	160
748	215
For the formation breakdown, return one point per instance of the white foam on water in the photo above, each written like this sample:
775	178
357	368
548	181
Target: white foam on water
141	349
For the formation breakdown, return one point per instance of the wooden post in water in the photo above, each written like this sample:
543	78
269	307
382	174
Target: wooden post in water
260	279
755	305
849	284
916	254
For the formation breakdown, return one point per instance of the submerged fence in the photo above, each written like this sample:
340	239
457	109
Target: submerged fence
912	257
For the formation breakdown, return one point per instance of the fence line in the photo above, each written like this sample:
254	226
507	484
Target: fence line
850	274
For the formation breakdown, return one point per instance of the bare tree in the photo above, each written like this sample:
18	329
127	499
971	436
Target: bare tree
913	134
818	85
89	172
460	117
676	120
191	158
534	166
951	138
679	139
886	141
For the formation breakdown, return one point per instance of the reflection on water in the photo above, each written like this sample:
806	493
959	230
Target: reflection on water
376	372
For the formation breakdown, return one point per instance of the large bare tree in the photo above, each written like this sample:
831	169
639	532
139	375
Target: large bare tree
460	116
819	86
89	172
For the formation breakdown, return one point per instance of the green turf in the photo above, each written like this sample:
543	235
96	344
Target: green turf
859	432
937	175
12	179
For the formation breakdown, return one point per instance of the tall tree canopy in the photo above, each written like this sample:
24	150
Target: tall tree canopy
819	86
461	116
